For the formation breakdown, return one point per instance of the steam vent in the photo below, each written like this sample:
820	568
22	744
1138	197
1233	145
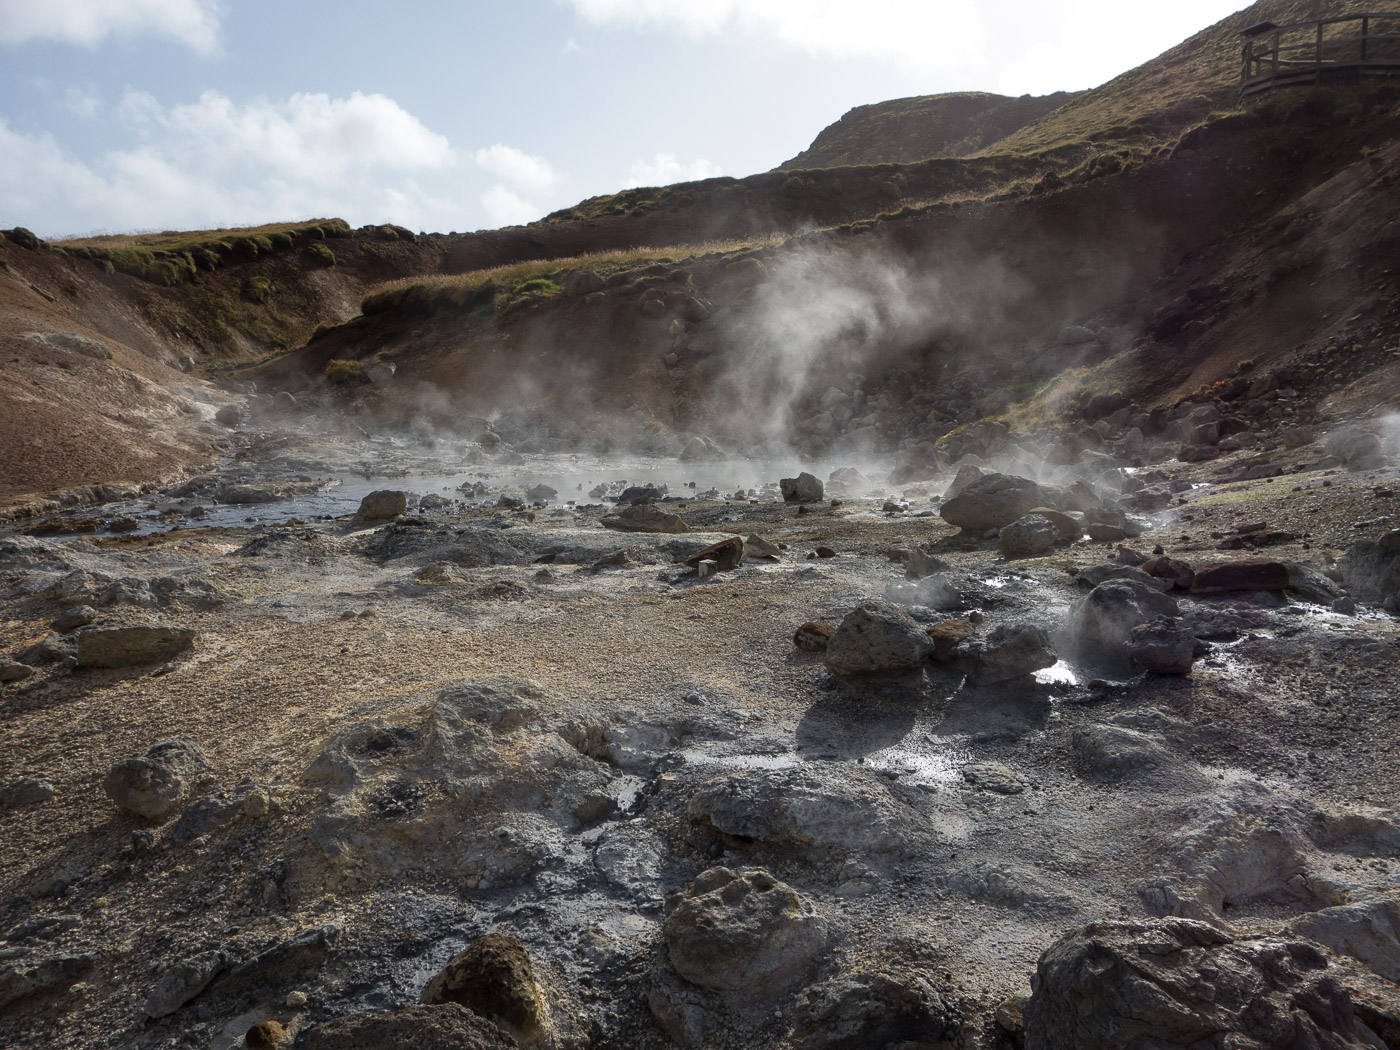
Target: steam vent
939	593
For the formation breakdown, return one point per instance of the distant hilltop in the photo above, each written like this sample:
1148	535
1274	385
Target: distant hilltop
958	124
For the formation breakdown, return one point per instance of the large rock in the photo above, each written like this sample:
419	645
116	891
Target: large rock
818	813
1027	537
1179	983
742	931
805	488
25	792
1163	647
182	982
1100	627
726	554
1237	577
1371	569
153	785
993	501
130	646
492	977
1355	447
447	1027
877	638
382	505
847	481
1368	932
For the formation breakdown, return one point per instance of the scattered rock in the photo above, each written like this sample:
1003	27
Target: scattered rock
267	1035
805	488
1028	537
1010	651
446	1027
757	547
183	981
1179	983
874	1010
1116	750
920	563
646	518
153	785
25	792
992	502
880	639
27	979
10	671
947	636
1100	627
1371	569
382	505
1356	448
813	637
130	646
229	415
726	554
742	932
1163	647
493	977
1368	932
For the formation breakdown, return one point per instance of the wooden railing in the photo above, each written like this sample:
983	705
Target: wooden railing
1309	52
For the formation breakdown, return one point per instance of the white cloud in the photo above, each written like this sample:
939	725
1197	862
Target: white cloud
910	32
505	207
571	47
215	162
517	167
87	23
665	168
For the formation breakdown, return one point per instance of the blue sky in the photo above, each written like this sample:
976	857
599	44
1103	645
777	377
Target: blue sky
119	115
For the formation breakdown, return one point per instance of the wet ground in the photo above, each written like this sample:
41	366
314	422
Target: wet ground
671	724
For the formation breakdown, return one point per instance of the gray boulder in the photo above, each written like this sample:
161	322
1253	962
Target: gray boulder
875	1009
993	501
153	785
1180	983
878	639
1368	932
742	931
1027	537
1009	652
182	982
1356	448
1371	569
847	481
1100	628
805	488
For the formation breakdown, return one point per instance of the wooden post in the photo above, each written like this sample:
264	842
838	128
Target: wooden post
1365	26
1276	46
1319	48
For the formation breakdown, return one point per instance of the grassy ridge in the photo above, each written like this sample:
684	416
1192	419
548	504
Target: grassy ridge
501	286
172	258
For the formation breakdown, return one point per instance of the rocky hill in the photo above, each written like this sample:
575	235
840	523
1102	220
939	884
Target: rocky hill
904	130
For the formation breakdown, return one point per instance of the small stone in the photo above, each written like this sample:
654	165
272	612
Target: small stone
825	552
295	1000
10	671
80	616
24	792
229	415
182	982
813	637
266	1035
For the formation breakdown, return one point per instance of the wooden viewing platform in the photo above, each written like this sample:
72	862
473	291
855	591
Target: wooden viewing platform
1343	48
